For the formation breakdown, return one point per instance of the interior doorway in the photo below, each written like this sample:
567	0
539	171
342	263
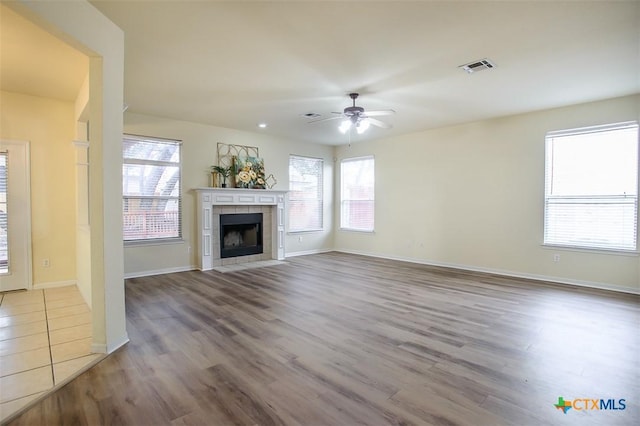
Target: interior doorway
15	217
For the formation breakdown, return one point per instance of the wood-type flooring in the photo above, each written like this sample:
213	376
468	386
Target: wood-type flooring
340	339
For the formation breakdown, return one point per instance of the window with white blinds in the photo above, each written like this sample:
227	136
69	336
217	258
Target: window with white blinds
591	187
357	195
151	191
305	194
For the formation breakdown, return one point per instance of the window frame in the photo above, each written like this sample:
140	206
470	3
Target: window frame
551	199
319	191
154	139
348	227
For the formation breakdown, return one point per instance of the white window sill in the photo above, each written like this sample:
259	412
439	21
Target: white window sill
364	231
613	252
158	242
306	231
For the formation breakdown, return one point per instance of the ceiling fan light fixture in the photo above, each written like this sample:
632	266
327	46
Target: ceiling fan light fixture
345	126
355	116
362	126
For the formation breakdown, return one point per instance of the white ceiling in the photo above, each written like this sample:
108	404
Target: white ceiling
237	63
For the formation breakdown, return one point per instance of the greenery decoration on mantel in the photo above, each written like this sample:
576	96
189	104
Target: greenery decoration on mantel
224	172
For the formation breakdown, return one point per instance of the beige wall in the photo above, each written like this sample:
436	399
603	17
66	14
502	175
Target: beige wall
86	29
474	197
474	191
198	154
49	127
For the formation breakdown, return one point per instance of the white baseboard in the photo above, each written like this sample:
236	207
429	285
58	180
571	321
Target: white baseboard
160	271
306	252
101	348
54	284
558	280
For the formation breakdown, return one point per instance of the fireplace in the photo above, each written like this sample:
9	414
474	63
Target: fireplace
214	202
240	234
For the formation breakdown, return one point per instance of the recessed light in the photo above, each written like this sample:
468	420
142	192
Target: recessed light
262	125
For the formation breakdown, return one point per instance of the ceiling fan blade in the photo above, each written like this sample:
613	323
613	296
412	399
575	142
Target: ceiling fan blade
380	112
326	119
379	123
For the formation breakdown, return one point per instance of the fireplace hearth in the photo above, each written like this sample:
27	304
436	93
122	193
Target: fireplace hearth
240	234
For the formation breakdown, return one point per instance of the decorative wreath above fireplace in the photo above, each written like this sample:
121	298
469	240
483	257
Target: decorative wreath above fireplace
227	153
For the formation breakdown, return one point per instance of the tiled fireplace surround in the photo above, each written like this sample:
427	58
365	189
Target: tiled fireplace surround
212	202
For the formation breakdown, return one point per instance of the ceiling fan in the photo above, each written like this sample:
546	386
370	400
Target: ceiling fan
358	117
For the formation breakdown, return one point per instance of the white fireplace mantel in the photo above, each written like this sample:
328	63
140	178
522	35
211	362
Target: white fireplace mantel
208	198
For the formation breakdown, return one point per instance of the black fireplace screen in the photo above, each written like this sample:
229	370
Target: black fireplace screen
240	234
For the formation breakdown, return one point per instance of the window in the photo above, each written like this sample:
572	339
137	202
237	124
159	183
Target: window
151	188
357	197
591	187
305	194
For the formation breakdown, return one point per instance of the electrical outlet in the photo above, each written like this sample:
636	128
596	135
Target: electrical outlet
556	257
300	239
189	249
45	263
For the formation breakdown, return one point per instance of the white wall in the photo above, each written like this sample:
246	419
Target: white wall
86	29
198	154
472	196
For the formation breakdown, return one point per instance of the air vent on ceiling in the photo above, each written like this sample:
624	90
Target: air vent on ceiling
483	64
311	115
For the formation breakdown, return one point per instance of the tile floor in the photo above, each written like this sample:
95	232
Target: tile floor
45	337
